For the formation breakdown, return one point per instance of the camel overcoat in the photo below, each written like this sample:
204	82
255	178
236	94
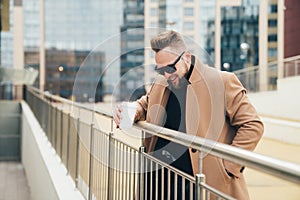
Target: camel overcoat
217	108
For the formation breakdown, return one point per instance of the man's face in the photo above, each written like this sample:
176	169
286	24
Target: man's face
164	59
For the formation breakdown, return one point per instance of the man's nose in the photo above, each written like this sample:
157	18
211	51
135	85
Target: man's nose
167	75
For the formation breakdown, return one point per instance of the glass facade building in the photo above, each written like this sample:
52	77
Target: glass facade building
272	30
132	50
71	26
85	26
239	36
7	40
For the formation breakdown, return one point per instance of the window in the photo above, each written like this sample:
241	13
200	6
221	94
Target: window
153	12
272	23
272	52
272	38
153	24
188	11
188	26
273	9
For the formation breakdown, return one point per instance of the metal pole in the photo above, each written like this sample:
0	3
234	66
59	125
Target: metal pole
51	118
200	162
61	132
55	130
77	150
91	161
200	192
110	166
142	173
68	142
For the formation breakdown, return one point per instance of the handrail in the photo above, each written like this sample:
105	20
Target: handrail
279	168
283	169
247	69
249	76
69	102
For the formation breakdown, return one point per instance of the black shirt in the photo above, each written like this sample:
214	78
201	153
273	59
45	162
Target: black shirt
175	154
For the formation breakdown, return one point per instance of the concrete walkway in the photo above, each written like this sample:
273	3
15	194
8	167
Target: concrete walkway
13	182
264	187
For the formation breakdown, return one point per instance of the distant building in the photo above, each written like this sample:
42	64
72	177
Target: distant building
70	25
239	29
132	50
67	69
272	30
292	28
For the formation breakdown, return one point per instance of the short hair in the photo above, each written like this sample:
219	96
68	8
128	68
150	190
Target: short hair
171	39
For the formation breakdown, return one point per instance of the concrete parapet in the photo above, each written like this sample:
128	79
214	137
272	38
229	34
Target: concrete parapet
47	176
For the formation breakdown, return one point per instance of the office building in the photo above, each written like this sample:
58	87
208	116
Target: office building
291	28
132	50
83	26
239	36
272	30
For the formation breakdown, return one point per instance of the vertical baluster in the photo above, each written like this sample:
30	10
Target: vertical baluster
156	180
110	172
141	178
191	190
146	177
183	187
207	195
162	182
68	141
151	180
175	186
169	184
91	162
77	150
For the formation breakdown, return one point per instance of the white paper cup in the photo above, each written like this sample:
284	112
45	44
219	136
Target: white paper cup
127	114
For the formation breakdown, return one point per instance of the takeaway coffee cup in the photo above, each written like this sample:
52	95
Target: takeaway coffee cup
127	114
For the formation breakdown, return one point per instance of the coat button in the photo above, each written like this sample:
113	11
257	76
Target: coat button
194	150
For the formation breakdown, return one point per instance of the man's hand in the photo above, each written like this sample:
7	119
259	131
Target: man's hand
117	114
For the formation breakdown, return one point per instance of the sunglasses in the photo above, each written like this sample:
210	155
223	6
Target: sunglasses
170	68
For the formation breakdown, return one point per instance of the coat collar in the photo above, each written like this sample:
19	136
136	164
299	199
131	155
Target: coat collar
196	75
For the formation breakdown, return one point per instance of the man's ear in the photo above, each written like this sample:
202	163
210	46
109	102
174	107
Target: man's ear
188	57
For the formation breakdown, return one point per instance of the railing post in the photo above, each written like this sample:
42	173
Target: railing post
110	167
51	125
61	132
296	67
91	162
54	145
77	150
200	178
200	193
48	119
142	172
68	142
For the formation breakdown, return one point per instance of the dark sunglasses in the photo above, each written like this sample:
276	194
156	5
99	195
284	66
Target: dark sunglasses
170	68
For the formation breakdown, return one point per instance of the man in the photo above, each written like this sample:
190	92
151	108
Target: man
191	97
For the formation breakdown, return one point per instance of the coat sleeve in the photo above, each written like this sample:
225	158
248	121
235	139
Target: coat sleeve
142	105
243	116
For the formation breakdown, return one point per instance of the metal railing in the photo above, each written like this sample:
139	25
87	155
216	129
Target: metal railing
250	76
106	167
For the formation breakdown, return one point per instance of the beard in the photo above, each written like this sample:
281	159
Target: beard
181	83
